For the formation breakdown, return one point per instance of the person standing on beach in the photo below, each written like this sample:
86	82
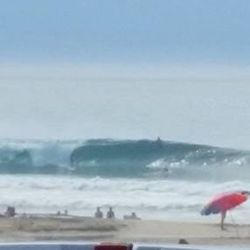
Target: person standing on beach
98	213
110	214
223	216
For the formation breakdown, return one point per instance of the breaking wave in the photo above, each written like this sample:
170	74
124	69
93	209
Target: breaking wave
123	158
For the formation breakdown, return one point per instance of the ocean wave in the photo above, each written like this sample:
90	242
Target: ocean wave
123	158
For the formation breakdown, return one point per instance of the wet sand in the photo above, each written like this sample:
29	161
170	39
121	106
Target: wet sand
54	228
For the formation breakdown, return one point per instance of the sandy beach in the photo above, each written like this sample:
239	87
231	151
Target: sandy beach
51	228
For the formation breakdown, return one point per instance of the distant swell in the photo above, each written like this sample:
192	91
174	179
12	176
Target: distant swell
121	158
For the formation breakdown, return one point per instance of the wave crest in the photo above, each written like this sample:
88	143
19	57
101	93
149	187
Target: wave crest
122	158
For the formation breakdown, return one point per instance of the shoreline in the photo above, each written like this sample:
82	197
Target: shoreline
72	228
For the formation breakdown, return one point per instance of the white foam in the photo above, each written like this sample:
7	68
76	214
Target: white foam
164	199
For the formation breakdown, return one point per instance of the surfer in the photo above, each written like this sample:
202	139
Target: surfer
159	142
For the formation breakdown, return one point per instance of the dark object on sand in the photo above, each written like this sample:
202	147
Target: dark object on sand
10	211
183	241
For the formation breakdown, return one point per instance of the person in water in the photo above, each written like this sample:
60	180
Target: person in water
98	213
110	214
159	142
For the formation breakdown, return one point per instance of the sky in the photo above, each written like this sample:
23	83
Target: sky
126	69
125	31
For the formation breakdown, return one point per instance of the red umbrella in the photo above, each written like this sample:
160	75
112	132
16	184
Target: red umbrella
223	202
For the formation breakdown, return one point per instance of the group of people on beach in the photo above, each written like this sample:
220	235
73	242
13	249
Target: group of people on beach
99	214
111	215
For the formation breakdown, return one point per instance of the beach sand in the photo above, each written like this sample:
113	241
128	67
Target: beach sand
51	228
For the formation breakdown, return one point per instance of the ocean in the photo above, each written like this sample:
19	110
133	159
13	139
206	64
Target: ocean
156	179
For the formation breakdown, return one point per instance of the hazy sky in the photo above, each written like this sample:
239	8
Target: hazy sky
126	69
125	30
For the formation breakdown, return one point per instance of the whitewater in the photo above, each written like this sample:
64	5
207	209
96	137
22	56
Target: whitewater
156	179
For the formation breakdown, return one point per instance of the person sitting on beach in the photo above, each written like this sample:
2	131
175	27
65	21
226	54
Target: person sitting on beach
133	216
110	214
98	213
